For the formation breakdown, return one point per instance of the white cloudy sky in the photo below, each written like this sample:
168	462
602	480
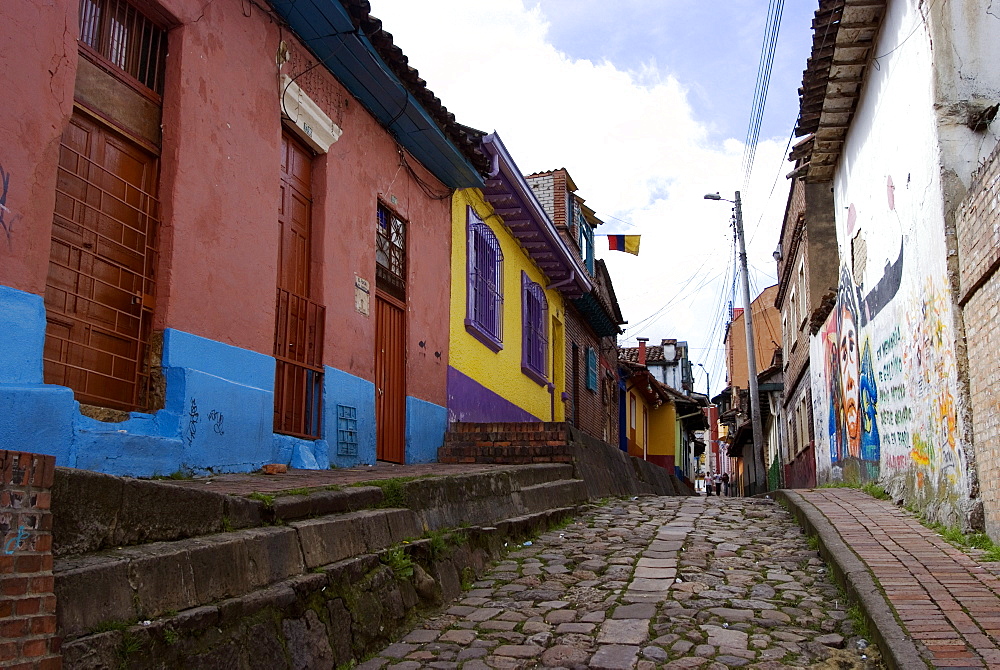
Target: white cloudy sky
647	104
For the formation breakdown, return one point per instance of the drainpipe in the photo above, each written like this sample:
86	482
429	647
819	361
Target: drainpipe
565	282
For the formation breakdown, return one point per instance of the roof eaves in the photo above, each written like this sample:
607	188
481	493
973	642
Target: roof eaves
515	202
844	33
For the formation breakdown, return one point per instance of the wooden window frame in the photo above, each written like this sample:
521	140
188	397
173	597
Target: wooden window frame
108	31
390	246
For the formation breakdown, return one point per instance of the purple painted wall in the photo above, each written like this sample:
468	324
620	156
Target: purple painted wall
470	401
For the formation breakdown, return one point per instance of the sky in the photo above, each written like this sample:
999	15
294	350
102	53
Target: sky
646	103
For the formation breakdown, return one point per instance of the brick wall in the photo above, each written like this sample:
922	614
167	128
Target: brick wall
27	603
506	443
978	227
544	187
591	410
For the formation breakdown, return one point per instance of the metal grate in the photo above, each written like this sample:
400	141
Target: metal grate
535	319
298	346
347	430
390	253
121	36
100	286
485	278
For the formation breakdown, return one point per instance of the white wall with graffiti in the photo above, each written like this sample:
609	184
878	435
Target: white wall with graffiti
886	392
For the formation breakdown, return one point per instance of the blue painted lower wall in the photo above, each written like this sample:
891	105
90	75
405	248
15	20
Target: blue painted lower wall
217	416
426	424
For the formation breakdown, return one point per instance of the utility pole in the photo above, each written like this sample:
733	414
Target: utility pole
758	484
760	471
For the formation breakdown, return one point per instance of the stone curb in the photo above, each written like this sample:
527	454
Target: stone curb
899	652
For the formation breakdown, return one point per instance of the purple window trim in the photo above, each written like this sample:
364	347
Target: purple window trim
477	332
484	285
534	322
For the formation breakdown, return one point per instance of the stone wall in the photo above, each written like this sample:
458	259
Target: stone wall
28	638
978	226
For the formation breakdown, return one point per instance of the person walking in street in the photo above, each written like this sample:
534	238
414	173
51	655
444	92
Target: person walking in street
725	482
717	479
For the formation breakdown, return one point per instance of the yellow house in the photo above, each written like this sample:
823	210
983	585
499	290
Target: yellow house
655	417
511	273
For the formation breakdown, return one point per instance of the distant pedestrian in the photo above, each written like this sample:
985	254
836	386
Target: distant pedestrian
725	482
718	484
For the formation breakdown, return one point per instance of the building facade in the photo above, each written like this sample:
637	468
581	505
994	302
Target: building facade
221	250
507	319
592	320
896	116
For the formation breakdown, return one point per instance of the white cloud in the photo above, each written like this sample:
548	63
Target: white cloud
630	141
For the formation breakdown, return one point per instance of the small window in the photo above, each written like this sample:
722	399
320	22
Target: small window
120	35
390	253
591	369
484	314
534	318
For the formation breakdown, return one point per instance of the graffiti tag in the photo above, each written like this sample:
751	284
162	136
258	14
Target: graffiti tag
15	542
7	217
215	416
193	418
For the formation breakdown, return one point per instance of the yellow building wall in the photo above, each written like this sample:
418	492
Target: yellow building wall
500	372
663	431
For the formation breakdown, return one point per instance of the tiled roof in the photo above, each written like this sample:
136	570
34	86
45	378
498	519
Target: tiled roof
410	77
844	33
654	354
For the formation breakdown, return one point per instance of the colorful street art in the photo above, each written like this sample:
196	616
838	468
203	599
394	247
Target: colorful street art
853	409
890	392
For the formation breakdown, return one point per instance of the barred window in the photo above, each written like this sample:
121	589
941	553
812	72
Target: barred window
121	36
484	318
390	253
534	329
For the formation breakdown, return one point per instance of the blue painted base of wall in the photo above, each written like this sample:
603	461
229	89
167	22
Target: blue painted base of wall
37	418
426	424
217	416
347	392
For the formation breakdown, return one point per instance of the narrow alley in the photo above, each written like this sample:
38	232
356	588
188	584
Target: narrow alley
656	582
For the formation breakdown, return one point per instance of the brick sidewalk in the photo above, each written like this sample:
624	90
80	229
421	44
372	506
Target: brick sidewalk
245	484
945	600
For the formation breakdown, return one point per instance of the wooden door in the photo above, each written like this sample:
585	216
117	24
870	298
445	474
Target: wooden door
390	379
100	286
299	320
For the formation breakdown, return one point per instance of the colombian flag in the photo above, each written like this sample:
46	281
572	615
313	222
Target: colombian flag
627	243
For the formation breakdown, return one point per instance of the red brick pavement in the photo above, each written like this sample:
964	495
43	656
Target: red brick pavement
944	599
245	484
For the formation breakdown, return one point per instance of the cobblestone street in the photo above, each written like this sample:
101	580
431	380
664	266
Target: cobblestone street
654	582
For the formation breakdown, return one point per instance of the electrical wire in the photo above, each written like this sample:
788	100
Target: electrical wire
768	46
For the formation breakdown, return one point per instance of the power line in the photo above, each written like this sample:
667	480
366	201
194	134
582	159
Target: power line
767	49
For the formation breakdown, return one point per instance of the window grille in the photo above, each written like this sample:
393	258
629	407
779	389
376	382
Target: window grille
347	430
485	285
298	345
390	253
535	318
119	35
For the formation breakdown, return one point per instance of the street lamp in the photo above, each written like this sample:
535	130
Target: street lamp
708	382
758	432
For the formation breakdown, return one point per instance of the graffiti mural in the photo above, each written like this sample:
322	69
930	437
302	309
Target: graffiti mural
852	412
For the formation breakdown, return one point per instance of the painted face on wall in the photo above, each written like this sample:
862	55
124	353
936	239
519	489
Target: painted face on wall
848	363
